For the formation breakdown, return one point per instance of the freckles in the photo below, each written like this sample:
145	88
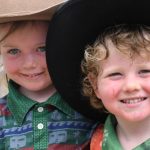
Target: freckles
40	57
43	61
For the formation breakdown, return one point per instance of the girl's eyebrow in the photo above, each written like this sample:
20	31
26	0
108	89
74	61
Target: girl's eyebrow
4	44
11	45
42	43
7	45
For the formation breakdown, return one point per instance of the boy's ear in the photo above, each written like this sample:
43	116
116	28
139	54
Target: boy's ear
93	81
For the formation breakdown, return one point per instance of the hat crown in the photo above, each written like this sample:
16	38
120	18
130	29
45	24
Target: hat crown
77	24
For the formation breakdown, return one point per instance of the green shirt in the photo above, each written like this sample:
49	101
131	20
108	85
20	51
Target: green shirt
52	125
111	141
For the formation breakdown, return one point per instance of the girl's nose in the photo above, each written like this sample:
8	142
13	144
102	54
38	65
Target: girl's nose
29	61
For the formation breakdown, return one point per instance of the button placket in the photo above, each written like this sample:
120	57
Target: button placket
40	109
40	127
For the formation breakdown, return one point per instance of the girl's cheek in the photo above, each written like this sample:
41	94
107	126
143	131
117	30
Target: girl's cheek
10	66
42	59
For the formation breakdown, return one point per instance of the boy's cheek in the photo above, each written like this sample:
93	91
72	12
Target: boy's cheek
108	91
147	87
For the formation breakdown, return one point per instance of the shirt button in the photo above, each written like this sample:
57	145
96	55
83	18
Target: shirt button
40	109
40	126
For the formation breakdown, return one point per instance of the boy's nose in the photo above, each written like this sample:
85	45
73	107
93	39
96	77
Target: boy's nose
131	85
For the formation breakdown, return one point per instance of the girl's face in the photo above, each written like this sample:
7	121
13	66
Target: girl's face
124	86
24	59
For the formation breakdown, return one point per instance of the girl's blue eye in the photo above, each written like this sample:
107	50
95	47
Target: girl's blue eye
14	51
42	49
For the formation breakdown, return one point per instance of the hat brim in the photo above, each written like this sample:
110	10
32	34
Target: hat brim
17	10
73	27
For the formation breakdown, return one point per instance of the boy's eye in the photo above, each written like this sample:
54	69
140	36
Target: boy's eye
42	49
115	75
14	51
144	72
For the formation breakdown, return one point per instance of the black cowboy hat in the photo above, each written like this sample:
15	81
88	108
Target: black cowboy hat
77	24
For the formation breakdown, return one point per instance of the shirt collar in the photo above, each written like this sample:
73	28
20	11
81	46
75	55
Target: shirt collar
20	105
110	139
60	104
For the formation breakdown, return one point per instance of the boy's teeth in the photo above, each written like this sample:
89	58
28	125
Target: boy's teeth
132	101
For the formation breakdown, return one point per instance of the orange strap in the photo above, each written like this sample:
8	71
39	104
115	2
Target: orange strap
96	141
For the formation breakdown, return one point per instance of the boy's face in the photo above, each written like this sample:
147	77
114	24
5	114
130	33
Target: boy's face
24	60
124	86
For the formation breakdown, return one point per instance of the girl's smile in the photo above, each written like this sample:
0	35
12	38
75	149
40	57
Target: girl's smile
23	53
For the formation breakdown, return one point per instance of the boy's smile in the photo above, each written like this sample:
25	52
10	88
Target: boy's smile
133	100
123	86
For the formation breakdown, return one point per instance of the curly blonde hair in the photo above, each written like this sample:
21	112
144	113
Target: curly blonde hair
133	40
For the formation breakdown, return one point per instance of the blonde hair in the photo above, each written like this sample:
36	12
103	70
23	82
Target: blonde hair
3	81
133	40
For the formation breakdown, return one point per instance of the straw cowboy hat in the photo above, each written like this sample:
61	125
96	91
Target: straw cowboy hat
77	24
15	10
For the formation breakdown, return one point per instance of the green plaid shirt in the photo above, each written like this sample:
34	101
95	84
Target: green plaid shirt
52	125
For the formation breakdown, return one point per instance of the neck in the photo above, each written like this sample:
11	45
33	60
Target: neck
134	133
39	96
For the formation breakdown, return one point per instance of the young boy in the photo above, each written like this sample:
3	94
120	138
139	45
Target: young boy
117	76
33	115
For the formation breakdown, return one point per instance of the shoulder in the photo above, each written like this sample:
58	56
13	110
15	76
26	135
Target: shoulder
3	100
3	106
97	137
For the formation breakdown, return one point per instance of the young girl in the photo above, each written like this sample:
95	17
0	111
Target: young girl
117	76
33	115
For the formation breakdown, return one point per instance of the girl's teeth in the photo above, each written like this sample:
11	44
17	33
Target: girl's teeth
33	75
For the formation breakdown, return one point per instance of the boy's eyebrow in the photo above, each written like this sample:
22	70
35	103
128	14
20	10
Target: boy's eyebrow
114	68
